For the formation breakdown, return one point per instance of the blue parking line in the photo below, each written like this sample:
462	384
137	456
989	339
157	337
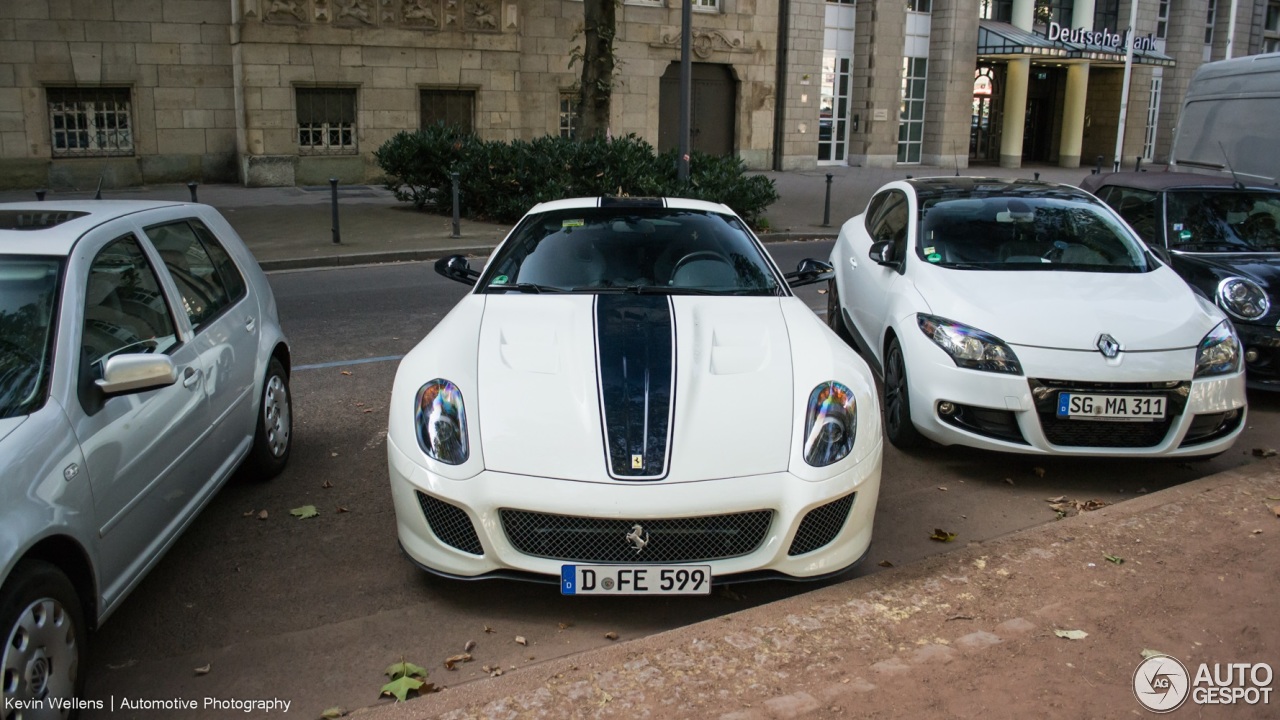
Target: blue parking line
340	363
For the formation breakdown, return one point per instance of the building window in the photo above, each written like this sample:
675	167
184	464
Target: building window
1106	15
1153	116
568	115
1058	11
998	10
911	114
921	6
1271	30
326	120
90	122
454	108
1162	20
1211	18
711	6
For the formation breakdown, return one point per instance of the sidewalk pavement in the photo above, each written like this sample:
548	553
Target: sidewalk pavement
1189	571
291	227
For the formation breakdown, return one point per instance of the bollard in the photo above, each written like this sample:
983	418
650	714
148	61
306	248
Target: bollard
192	187
333	193
826	209
1137	163
1037	177
40	195
457	226
1097	165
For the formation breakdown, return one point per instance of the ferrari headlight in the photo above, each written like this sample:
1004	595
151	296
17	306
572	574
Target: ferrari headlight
969	347
1219	352
441	422
1243	298
830	425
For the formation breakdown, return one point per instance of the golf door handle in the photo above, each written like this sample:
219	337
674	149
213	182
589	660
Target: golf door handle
250	324
190	377
853	262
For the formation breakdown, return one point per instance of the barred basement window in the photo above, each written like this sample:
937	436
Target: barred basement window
326	120
915	71
706	5
447	107
568	118
90	122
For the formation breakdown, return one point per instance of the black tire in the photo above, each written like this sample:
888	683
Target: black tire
835	316
44	634
273	438
898	426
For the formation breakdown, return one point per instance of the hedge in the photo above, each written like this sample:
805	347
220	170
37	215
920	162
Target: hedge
500	181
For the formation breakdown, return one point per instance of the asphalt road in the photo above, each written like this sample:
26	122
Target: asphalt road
312	611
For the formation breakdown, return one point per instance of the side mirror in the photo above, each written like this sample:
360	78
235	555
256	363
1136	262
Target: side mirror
881	253
810	271
136	372
456	267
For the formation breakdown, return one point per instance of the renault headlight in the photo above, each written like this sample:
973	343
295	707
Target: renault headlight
1219	352
830	425
441	421
969	347
1243	298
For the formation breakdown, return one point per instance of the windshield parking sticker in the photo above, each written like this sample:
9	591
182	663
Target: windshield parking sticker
500	280
573	223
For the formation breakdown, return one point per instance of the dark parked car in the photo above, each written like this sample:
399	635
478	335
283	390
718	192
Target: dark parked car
1223	238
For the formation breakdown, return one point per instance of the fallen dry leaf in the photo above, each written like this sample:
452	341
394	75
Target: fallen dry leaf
611	635
1275	510
1264	452
885	563
489	629
521	641
960	617
262	515
326	484
1114	559
341	509
471	644
346	372
565	625
942	535
453	660
1071	634
367	411
204	670
942	488
1060	498
1039	471
1009	480
333	454
248	514
823	291
333	713
1148	653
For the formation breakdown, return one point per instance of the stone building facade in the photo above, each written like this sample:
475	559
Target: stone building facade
283	92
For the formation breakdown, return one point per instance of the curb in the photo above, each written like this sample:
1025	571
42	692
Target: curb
392	256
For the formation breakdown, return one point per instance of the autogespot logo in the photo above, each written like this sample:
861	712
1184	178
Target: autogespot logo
1161	683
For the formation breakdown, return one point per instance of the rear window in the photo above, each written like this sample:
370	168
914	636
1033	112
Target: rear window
1026	232
1223	220
35	219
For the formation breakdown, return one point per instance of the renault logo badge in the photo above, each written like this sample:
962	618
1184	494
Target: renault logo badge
1108	346
637	538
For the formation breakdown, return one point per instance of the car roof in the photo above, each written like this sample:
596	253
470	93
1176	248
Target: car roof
1156	181
53	228
933	188
623	202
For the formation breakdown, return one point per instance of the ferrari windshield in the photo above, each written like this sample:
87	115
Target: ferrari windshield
1026	232
1223	220
631	249
28	297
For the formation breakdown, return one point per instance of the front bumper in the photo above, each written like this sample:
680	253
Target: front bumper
481	500
1263	342
1013	413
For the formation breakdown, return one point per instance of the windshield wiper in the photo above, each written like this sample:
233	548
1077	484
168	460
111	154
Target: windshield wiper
528	288
680	290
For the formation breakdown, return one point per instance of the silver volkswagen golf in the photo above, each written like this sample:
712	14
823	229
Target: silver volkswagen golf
141	363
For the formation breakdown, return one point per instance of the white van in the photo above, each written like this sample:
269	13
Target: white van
1228	119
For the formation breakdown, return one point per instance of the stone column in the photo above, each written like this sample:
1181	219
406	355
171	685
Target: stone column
1076	94
1017	74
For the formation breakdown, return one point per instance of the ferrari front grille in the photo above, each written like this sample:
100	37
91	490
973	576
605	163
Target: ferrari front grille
641	541
821	525
450	524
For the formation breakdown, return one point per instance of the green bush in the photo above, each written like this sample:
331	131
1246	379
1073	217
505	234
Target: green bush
501	181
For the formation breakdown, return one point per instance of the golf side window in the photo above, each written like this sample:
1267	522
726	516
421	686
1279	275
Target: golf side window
206	277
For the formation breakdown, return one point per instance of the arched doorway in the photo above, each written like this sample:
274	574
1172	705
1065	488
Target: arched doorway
712	110
988	112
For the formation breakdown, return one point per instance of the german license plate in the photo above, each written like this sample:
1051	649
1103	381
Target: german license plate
1080	406
635	579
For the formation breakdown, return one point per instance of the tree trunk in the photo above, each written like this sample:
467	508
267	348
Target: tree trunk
599	28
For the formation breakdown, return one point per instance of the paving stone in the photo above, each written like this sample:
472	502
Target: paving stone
933	654
891	666
978	640
744	715
1016	626
791	706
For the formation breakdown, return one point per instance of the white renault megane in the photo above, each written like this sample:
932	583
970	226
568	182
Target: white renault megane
632	401
1027	317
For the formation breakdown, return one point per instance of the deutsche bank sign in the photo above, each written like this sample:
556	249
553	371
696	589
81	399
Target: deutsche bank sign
1104	37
